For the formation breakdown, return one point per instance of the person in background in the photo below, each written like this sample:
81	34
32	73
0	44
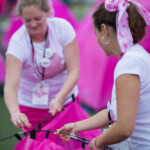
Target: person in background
42	70
119	27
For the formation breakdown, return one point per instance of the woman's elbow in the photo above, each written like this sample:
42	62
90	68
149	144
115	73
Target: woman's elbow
128	133
127	130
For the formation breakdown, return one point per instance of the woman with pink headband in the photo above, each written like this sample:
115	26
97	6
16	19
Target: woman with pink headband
119	26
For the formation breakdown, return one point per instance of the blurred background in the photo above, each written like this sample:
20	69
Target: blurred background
96	69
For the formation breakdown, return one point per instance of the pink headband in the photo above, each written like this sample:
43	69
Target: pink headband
124	35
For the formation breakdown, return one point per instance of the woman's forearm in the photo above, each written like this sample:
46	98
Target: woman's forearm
97	121
71	56
12	79
10	98
68	85
113	135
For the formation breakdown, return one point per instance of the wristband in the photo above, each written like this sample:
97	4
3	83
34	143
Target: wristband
13	117
58	100
93	143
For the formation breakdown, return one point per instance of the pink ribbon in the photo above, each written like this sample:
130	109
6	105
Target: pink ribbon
124	36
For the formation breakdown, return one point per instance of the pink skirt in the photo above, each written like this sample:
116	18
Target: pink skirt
72	113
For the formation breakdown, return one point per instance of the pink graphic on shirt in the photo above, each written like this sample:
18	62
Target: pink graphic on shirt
56	66
124	35
40	94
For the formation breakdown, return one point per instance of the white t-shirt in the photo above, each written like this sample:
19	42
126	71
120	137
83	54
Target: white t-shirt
136	61
60	34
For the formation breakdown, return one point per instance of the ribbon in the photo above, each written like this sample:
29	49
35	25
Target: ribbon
124	35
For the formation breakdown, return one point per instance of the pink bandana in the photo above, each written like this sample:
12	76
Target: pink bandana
124	35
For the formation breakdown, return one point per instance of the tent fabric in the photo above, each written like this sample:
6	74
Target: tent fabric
96	76
72	113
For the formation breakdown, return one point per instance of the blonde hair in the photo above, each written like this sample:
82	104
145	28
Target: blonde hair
41	4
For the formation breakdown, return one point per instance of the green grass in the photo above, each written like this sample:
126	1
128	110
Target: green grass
6	128
81	10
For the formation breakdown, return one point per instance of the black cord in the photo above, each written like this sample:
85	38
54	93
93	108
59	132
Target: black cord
33	132
32	135
3	139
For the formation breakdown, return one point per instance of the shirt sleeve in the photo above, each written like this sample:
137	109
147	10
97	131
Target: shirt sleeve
68	32
130	65
16	49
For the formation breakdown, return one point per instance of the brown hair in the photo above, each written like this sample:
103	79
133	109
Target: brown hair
136	22
42	4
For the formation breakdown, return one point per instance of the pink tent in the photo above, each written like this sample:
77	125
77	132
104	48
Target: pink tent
62	11
2	7
2	69
96	76
60	8
145	41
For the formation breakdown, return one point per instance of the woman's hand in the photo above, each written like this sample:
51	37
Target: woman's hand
55	106
20	120
94	145
68	128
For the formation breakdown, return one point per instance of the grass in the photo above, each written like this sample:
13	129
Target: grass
6	128
80	9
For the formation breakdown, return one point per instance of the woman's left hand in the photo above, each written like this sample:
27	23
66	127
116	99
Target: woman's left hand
93	145
55	107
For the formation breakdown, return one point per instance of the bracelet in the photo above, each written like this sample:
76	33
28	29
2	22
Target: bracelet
58	100
74	128
93	143
13	117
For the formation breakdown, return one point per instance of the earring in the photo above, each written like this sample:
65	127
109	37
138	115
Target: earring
104	41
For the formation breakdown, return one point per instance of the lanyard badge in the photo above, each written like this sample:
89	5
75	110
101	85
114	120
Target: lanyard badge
45	62
40	92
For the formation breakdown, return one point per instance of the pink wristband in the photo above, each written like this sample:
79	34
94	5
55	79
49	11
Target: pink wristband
14	116
93	143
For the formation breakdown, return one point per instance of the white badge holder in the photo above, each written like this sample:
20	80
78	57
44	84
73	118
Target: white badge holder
48	53
45	62
40	95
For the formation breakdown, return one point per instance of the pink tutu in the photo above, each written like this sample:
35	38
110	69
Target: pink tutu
72	113
39	145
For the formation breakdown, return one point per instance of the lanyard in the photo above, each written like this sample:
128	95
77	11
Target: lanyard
46	45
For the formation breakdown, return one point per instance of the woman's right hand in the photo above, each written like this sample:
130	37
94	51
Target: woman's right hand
20	120
68	128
